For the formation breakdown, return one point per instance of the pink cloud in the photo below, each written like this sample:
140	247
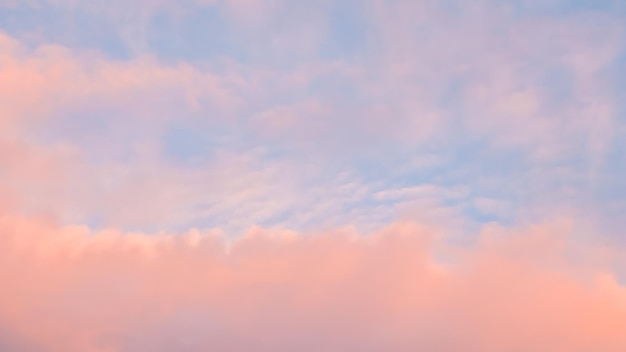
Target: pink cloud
41	87
52	80
68	289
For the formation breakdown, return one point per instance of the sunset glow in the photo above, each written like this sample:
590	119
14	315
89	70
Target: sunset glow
316	176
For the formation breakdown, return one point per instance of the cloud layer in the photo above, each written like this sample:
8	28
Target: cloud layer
403	289
275	175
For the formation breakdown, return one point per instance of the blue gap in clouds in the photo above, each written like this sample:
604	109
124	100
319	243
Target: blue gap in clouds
348	31
565	7
610	193
488	173
557	86
186	144
71	28
612	187
616	73
452	96
202	34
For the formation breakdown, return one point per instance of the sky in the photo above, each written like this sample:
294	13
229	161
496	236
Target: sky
331	175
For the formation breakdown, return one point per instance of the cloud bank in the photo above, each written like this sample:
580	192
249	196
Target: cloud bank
537	288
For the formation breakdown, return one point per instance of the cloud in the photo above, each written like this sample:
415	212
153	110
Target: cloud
514	106
525	289
423	191
52	82
435	117
76	128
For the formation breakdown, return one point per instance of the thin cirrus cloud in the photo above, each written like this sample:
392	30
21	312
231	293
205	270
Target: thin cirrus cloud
338	175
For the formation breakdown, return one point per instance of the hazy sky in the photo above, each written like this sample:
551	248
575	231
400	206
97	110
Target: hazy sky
248	174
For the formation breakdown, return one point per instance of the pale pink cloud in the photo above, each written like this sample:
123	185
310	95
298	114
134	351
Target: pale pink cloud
502	67
517	102
529	289
51	86
51	81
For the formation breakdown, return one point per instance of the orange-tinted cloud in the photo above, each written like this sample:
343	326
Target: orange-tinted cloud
67	289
